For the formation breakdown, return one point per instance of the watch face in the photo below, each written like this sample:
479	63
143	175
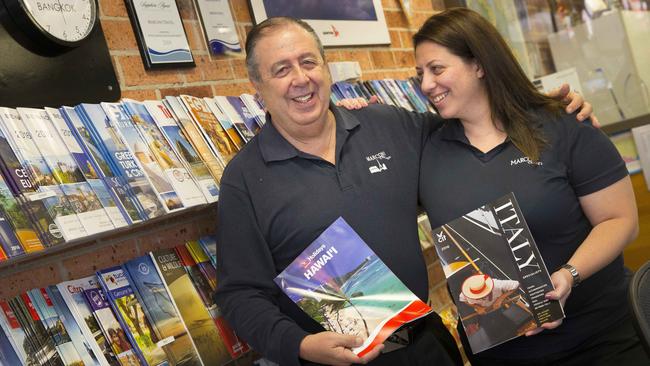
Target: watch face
67	21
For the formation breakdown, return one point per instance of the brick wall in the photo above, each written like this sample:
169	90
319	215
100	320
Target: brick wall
226	74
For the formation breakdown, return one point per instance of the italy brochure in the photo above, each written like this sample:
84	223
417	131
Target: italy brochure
342	284
495	274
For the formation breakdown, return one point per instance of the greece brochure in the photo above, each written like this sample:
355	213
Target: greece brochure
495	273
342	284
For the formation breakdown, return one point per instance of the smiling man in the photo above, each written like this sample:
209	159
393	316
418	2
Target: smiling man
311	163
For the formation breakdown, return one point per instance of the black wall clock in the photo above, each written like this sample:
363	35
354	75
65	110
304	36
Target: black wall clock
53	53
64	23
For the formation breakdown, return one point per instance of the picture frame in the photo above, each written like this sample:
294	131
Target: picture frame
159	31
349	23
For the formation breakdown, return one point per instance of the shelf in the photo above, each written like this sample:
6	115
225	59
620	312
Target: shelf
77	247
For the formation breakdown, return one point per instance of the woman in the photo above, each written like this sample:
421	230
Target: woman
573	188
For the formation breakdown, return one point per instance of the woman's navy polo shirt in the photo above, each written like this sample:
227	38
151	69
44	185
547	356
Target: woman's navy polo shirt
456	178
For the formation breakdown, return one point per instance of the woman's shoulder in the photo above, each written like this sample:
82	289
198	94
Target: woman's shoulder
561	123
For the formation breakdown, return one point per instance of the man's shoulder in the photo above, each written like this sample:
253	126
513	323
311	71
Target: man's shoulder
375	110
390	117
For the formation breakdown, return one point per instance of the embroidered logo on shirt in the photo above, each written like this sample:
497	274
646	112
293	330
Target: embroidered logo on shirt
525	160
378	161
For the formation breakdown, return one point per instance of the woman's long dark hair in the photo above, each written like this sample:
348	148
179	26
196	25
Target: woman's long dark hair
512	97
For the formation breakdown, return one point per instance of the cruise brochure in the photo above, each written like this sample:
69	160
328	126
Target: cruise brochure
342	284
495	273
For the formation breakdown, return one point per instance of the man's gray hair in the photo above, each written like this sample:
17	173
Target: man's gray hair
260	30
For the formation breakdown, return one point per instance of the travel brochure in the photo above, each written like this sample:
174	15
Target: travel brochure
342	284
495	273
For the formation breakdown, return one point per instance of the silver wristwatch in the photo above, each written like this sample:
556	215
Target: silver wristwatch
574	274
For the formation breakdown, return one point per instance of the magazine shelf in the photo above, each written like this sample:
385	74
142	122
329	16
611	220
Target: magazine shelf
81	257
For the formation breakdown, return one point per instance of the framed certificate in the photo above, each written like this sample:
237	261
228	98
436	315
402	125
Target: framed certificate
338	23
160	34
218	26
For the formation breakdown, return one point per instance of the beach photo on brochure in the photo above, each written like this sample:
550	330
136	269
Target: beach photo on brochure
343	285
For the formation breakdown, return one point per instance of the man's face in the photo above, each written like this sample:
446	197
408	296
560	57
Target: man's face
294	80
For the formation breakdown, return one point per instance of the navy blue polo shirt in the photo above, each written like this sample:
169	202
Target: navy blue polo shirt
579	159
275	200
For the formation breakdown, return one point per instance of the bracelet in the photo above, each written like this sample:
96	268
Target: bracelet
574	274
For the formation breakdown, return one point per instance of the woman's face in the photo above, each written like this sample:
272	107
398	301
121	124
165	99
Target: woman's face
452	84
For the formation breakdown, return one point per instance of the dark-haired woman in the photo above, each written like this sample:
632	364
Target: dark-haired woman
572	185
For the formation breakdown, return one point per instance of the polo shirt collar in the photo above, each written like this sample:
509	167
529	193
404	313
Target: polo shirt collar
274	147
453	131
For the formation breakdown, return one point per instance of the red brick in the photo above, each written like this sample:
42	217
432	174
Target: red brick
419	18
427	4
192	74
374	75
240	11
216	69
197	91
242	30
361	56
395	41
147	94
239	68
390	4
403	74
194	35
404	59
333	56
135	74
395	19
113	8
233	88
187	9
407	39
382	59
119	35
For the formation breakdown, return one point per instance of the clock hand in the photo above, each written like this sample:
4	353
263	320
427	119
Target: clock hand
62	14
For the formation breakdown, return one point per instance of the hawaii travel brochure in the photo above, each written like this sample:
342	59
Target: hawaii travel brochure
342	284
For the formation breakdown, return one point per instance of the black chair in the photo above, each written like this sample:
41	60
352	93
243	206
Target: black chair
640	303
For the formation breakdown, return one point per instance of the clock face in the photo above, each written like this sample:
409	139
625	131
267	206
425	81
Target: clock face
65	21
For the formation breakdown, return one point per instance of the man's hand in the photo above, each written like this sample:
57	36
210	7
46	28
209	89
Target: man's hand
331	348
562	281
574	102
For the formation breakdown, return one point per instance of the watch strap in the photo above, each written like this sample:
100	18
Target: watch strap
574	274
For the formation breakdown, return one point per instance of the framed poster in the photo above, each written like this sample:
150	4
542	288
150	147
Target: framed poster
160	34
342	23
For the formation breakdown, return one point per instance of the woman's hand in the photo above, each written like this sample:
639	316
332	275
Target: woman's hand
356	103
563	282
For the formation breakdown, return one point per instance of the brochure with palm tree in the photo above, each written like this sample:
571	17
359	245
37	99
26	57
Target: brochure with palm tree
342	284
495	273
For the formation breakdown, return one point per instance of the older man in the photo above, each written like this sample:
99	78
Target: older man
309	165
